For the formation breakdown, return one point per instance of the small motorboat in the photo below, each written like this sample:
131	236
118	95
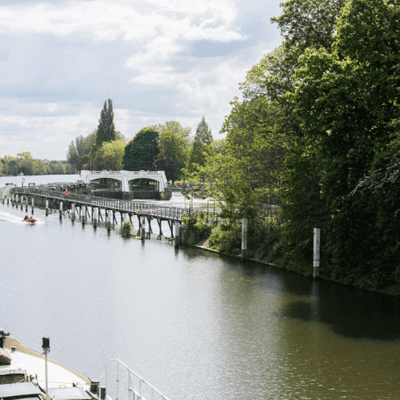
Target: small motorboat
29	219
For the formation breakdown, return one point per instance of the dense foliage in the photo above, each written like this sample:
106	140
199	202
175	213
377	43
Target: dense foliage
142	151
318	132
25	164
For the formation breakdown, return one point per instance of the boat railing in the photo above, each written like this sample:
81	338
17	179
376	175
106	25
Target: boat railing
123	383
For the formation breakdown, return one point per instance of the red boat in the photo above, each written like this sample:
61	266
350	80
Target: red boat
29	219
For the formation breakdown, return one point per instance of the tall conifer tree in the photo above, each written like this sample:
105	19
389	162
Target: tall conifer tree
106	129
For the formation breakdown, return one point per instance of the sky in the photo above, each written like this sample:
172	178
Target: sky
157	60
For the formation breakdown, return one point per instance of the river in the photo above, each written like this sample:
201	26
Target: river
193	323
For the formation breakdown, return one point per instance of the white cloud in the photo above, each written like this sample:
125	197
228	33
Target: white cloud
153	58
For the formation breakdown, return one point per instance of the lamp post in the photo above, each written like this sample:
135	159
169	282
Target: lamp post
46	350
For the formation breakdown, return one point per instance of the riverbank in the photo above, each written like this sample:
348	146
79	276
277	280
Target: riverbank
204	245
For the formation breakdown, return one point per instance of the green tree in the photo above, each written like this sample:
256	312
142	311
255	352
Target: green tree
106	129
78	151
201	144
142	150
173	146
109	156
345	99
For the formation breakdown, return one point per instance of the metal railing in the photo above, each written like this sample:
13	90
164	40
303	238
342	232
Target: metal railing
123	383
137	207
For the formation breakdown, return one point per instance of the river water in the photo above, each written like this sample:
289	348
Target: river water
194	324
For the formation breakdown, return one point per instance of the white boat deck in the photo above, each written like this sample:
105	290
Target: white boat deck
57	375
33	363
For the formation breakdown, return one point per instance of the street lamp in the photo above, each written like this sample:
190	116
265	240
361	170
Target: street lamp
46	350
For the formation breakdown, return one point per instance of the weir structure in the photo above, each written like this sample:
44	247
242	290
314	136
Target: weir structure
128	185
99	209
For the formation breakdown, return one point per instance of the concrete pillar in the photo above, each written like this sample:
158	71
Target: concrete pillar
108	220
177	235
143	230
73	214
95	217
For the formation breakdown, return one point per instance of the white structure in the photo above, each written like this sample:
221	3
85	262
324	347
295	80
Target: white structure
127	181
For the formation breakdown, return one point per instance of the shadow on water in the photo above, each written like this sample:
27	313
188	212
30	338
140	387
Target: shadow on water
349	312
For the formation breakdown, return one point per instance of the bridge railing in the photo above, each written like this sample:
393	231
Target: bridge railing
137	207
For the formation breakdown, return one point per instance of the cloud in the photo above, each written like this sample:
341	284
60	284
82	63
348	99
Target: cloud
157	60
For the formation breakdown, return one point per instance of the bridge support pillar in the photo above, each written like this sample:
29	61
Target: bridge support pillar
177	235
22	201
94	216
26	203
33	205
73	216
83	214
47	207
61	209
108	220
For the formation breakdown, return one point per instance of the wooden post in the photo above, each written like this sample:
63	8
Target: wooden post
33	205
83	214
244	237
47	207
317	242
26	203
22	201
61	209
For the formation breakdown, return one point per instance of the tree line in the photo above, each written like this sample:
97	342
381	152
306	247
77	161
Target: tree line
168	147
317	132
25	164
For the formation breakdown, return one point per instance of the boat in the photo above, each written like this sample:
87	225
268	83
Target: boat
29	219
25	372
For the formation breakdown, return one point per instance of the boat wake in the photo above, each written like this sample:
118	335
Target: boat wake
12	218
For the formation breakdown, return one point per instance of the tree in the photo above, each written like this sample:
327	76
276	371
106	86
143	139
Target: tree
106	129
78	152
142	150
174	148
109	156
345	100
163	164
201	143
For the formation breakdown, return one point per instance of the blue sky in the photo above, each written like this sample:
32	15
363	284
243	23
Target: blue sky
158	60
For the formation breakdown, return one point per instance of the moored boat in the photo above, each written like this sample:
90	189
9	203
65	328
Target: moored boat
25	378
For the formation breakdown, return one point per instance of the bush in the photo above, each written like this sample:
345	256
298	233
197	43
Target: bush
126	230
198	224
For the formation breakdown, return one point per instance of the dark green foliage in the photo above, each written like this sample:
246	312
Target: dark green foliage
78	152
201	144
126	230
142	151
198	223
106	129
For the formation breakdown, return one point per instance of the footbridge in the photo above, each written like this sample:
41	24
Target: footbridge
100	209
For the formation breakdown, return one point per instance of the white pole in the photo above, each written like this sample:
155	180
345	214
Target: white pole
244	237
317	243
